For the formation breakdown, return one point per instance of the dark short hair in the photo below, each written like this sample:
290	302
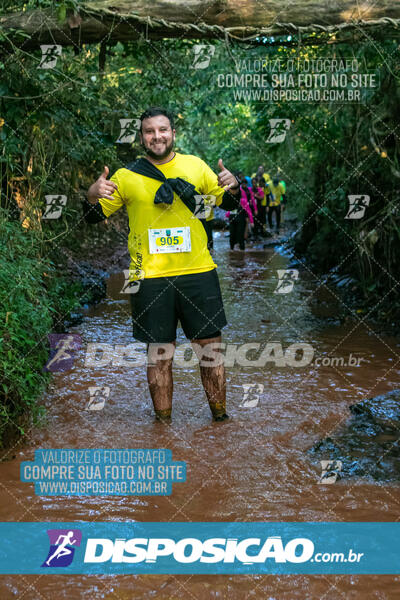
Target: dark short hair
154	111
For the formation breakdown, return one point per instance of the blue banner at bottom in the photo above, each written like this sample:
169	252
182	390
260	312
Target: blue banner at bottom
194	548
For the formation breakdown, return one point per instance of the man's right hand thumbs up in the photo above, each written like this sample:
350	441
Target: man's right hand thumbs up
102	188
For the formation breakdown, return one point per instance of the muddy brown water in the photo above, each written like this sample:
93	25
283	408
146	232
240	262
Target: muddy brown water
254	467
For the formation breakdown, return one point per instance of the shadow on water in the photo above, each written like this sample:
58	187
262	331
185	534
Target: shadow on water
254	467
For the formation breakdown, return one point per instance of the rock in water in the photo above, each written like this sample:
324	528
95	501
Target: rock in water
368	445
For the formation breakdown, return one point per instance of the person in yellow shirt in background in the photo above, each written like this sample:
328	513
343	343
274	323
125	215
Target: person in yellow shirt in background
261	173
276	195
170	261
284	202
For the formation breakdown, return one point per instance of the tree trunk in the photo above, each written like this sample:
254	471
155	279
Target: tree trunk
155	19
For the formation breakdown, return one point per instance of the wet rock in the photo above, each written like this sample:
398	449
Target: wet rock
345	281
368	445
382	411
92	289
92	280
294	263
272	242
340	280
74	318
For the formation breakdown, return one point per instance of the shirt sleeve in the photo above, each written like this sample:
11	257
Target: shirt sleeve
210	184
111	206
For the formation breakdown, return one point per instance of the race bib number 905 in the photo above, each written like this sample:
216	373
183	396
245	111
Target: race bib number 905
175	239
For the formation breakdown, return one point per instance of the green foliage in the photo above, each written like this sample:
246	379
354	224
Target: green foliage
60	6
33	299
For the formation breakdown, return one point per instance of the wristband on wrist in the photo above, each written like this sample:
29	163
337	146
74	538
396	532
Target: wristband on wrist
93	213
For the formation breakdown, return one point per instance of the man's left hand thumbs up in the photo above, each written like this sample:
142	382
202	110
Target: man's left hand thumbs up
226	179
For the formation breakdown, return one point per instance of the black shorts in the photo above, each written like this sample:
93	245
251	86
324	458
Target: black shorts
195	300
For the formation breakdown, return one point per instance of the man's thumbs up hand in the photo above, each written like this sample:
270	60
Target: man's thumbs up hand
226	179
102	188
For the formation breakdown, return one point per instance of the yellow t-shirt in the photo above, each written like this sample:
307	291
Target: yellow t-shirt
277	192
137	193
266	177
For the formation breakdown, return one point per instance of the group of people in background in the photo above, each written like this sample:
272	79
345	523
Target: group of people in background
262	198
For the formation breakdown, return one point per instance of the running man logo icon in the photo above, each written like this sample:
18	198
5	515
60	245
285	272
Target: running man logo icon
130	287
50	53
330	471
286	280
279	129
54	206
202	55
98	397
251	393
204	204
129	129
357	206
62	351
62	547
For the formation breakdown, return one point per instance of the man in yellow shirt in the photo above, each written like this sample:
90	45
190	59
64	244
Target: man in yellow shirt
261	173
176	275
276	195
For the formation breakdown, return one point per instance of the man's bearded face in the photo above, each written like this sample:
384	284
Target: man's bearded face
157	137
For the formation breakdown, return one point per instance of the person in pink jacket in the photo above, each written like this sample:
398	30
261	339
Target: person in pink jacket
238	219
258	191
253	208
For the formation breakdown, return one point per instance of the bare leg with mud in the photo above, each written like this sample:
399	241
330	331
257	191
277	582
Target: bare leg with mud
159	377
212	376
